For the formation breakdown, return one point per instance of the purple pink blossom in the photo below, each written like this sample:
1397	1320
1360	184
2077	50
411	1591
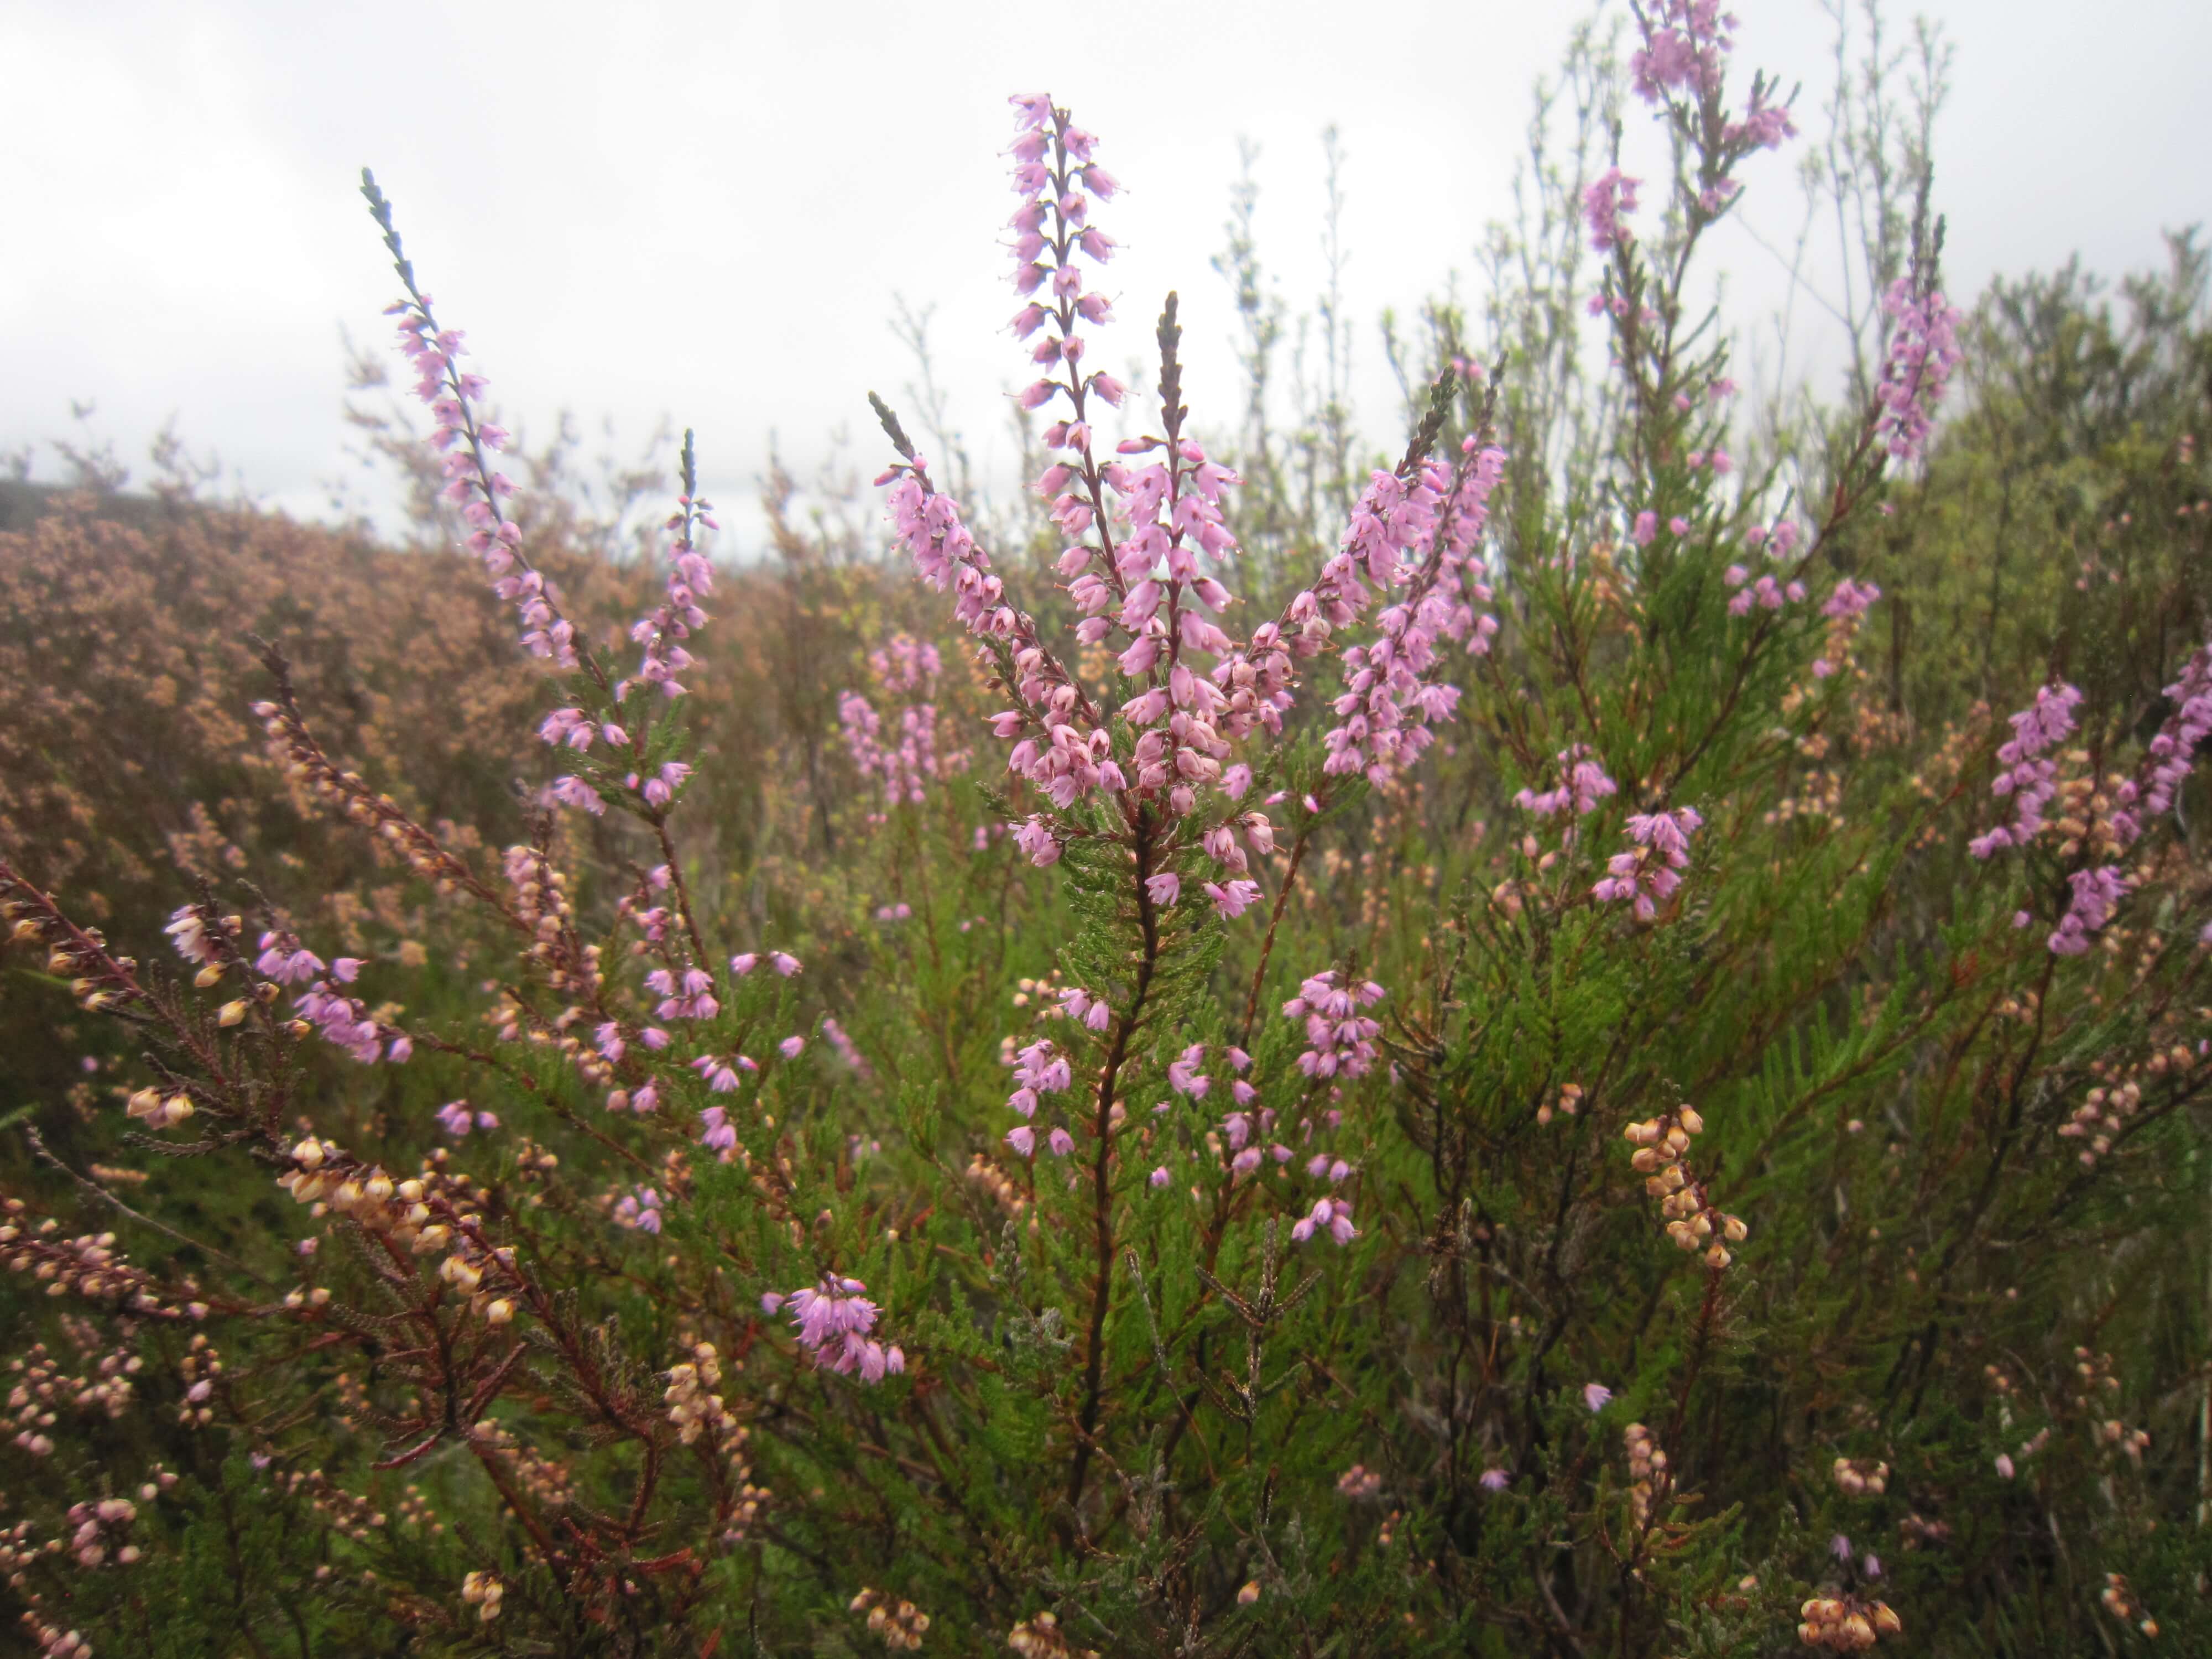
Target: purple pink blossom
834	1319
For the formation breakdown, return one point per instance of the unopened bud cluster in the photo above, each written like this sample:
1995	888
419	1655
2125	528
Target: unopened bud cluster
483	1590
348	1514
42	1389
99	982
420	1212
1647	1471
302	762
901	1625
1843	1623
55	1643
1693	1221
697	1410
87	1266
2118	1600
102	1531
200	1367
1861	1477
2102	1115
1040	1638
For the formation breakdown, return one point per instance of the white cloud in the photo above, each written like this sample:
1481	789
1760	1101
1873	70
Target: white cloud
706	210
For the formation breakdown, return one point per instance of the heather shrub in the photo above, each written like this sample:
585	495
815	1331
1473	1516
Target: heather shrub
1508	1050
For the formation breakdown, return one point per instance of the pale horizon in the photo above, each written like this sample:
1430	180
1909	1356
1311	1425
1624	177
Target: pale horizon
711	215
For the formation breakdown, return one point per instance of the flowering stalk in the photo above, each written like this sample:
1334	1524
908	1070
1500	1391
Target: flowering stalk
472	484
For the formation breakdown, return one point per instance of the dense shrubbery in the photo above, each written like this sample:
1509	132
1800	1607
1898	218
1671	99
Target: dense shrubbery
1499	1091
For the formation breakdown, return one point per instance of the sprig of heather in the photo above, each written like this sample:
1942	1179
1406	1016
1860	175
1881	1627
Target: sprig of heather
2025	773
1651	871
2096	891
1924	350
907	667
465	441
662	630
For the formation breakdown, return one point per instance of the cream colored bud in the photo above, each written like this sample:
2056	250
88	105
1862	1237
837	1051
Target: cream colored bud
499	1312
1688	1118
232	1013
211	975
308	1154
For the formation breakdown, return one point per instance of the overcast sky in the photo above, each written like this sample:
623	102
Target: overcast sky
705	210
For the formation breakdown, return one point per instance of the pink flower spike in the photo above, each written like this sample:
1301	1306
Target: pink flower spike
1595	1395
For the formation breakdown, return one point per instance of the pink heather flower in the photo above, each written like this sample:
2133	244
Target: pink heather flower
1850	599
2172	753
1234	898
834	1319
742	965
1651	871
1331	1215
1159	1176
1924	350
1359	1482
1582	785
784	964
639	1210
1037	842
1022	1139
1647	528
1060	1143
346	969
187	928
1163	889
792	1046
1183	1075
2096	895
1605	204
1595	1395
847	1050
1340	1039
2024	773
1685	44
1496	1480
2004	1467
